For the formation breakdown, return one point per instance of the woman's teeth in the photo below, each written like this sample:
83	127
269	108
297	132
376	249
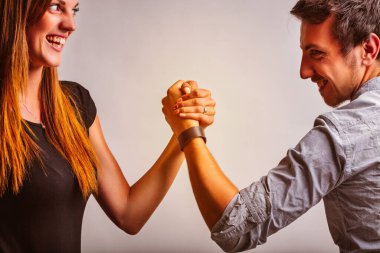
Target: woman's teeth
56	41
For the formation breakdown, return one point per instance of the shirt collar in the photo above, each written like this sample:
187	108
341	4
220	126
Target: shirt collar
373	84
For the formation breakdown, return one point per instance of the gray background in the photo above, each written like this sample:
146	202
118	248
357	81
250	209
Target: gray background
127	53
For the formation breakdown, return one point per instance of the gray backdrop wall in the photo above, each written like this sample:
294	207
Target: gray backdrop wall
128	52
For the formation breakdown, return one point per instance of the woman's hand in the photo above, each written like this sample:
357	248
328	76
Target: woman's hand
196	104
185	106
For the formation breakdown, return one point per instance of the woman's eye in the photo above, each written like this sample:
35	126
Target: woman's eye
54	7
75	11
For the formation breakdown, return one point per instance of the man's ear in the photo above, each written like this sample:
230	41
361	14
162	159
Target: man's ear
371	48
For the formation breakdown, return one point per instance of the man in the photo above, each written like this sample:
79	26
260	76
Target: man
337	161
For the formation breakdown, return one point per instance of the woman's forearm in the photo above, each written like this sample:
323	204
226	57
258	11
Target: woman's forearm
147	193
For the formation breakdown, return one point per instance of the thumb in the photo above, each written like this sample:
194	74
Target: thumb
189	86
186	88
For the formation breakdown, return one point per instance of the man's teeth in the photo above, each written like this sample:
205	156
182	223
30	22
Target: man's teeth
322	83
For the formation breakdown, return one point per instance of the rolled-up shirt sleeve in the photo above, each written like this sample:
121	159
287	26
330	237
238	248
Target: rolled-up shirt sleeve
307	173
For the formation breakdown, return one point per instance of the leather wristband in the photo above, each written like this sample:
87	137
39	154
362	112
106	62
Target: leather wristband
193	132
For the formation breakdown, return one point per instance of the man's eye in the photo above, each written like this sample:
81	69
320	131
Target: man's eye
316	53
54	7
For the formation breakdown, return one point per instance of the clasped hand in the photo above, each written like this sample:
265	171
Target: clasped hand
186	106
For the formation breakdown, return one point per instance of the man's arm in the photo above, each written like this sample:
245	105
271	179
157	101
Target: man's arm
244	220
212	189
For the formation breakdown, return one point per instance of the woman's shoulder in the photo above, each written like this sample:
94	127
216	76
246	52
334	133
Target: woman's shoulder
82	99
74	88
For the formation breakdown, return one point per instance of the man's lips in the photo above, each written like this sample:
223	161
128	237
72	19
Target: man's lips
320	81
322	84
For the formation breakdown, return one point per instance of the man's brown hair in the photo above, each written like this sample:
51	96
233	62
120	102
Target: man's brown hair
354	20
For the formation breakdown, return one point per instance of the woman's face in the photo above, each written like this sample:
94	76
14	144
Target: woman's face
48	36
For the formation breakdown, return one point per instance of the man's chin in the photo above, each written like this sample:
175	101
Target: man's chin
334	103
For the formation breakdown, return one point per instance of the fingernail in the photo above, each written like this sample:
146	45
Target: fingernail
187	90
182	114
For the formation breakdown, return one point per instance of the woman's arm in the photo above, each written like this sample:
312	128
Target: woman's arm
129	207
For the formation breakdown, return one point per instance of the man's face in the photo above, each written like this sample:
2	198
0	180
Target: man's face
337	76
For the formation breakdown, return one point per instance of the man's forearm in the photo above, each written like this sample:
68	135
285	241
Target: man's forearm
212	189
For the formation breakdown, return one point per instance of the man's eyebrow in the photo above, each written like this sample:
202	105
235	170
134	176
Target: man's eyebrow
308	46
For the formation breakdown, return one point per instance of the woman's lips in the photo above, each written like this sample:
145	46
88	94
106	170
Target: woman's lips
56	42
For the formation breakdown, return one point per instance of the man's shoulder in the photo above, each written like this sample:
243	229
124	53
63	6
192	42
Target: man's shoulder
363	110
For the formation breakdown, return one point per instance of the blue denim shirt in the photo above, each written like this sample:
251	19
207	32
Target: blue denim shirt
337	161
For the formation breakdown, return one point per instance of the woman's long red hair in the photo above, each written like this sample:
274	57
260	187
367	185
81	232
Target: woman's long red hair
64	126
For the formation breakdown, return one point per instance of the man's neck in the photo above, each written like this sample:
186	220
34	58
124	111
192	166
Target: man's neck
370	73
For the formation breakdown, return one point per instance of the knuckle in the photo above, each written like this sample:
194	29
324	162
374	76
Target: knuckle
197	93
172	89
192	83
206	93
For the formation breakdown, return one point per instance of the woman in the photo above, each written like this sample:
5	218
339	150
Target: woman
53	152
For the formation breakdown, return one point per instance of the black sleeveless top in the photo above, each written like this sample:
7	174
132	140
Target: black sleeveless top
46	215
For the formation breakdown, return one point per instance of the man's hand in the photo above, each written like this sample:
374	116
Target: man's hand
186	106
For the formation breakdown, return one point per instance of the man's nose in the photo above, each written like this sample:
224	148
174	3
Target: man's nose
306	69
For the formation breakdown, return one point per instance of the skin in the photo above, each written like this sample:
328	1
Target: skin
129	207
212	189
338	77
42	53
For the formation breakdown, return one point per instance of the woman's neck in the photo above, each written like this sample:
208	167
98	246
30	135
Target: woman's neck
34	83
30	98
